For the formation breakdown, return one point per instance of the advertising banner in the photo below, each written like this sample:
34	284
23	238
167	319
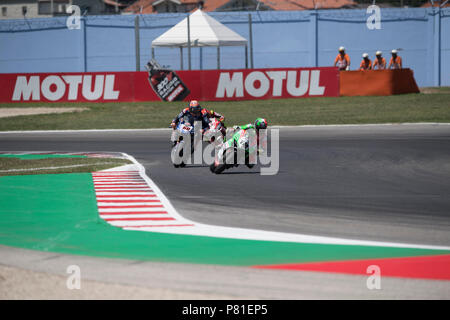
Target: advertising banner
158	84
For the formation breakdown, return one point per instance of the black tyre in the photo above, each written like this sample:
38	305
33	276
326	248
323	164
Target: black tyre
227	159
247	161
174	150
220	168
177	149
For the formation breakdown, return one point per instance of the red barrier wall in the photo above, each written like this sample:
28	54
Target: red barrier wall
206	85
377	82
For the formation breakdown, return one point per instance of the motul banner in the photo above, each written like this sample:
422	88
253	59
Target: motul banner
75	87
168	85
250	84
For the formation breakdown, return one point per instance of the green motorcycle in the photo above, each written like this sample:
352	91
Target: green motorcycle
235	150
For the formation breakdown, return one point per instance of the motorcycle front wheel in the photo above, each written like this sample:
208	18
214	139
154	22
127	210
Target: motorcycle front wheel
230	154
177	149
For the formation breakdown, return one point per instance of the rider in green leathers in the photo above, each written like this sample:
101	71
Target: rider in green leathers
245	138
240	131
260	123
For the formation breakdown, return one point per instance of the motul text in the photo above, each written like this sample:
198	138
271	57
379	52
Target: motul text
55	87
274	83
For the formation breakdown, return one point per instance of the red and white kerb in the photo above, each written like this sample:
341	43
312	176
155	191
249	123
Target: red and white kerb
125	200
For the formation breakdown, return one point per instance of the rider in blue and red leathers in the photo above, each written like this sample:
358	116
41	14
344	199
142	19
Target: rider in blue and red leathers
192	114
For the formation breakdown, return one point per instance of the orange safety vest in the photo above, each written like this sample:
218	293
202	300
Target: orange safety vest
365	65
342	62
395	64
379	65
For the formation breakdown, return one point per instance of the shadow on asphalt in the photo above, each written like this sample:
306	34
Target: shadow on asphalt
241	172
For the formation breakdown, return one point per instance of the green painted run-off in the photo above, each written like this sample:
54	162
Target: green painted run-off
58	213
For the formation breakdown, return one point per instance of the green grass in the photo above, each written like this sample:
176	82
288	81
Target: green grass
435	90
24	166
424	107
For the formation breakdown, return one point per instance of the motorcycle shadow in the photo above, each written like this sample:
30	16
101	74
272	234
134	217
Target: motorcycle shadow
188	166
240	172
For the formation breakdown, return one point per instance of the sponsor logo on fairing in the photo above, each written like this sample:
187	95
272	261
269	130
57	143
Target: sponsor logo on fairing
54	88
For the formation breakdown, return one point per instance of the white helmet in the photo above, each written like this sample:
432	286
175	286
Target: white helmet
378	53
394	51
341	49
365	55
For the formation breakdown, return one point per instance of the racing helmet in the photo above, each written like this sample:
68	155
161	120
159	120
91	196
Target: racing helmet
260	123
194	107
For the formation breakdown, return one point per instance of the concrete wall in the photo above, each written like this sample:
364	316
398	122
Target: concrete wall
281	39
14	9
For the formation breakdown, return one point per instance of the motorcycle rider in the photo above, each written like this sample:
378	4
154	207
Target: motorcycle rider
260	123
213	114
192	113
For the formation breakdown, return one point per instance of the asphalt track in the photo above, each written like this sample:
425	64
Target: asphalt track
377	182
385	183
